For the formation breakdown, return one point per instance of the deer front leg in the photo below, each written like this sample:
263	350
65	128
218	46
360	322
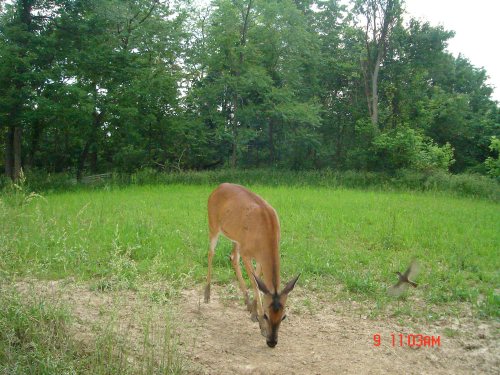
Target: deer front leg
211	252
235	261
257	311
258	272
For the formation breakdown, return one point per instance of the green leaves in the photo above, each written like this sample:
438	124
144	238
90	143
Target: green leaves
493	163
405	148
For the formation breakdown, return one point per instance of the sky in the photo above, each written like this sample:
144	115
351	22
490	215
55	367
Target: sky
477	30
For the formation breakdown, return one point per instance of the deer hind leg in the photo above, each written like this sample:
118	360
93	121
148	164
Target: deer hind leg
257	311
211	251
235	261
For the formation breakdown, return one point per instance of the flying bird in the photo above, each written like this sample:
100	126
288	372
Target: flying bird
405	280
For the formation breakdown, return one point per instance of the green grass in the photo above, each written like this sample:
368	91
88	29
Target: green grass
462	185
346	243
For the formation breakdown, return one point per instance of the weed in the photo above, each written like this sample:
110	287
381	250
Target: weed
450	332
406	180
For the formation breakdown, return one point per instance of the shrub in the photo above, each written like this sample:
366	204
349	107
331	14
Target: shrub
431	156
428	179
406	148
493	163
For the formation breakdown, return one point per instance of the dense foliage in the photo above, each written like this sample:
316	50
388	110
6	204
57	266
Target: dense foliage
88	86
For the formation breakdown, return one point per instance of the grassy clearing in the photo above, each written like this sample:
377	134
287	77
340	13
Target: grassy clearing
346	243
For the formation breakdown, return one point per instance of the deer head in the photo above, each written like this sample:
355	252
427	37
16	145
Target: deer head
274	308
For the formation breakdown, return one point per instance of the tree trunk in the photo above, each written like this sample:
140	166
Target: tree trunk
13	161
237	73
93	160
243	40
13	153
35	142
91	141
9	152
150	143
374	106
339	146
16	172
365	69
81	160
234	153
233	156
271	142
388	13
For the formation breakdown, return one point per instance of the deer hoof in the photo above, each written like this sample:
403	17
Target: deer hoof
254	317
207	293
252	307
248	304
263	330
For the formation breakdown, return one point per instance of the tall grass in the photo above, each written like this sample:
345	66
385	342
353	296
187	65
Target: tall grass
466	185
346	242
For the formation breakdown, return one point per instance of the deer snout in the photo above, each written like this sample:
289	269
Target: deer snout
272	343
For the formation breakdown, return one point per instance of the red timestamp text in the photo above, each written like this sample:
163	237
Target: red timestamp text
411	340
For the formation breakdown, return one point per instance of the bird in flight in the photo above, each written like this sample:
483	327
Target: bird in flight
405	280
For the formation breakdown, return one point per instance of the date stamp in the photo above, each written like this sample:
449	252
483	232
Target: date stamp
410	340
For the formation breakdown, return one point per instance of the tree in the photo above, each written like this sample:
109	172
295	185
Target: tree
103	86
256	80
20	35
380	17
340	85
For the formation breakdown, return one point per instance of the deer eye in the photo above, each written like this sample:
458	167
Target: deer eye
284	317
265	317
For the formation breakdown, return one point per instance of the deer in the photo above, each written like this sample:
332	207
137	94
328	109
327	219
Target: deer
253	226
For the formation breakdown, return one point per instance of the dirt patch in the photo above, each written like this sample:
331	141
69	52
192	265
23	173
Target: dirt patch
226	341
131	324
220	338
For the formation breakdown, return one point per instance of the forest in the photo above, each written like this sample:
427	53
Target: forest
94	86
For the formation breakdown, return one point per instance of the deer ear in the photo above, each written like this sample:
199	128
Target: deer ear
261	285
291	284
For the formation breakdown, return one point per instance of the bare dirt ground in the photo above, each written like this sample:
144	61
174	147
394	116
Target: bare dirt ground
220	338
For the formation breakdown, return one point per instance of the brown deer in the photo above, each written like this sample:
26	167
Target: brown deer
253	227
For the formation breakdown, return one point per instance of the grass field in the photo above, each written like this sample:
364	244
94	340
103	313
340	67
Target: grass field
346	243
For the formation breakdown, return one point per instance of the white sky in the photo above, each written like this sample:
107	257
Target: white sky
477	30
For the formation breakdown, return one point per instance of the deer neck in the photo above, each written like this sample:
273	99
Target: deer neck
271	270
